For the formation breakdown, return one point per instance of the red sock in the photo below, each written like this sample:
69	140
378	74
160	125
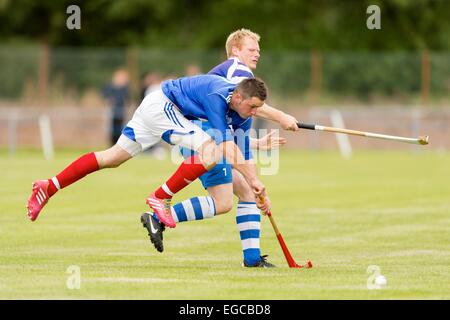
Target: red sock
74	172
188	171
51	190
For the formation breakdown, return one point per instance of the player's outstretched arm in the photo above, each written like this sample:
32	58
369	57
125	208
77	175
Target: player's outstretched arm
286	121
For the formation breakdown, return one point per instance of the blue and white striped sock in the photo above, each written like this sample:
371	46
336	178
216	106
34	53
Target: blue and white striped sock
196	208
248	220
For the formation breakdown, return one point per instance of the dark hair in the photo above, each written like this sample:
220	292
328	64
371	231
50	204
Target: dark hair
252	87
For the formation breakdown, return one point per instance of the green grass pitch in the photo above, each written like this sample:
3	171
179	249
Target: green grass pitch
389	209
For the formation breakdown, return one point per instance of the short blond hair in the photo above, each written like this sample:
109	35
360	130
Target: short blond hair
236	38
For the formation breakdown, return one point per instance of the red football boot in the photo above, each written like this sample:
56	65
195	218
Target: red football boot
162	209
38	199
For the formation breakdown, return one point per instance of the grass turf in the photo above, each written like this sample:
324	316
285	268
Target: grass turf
389	209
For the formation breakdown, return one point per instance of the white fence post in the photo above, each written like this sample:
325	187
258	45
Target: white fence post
46	136
12	132
342	139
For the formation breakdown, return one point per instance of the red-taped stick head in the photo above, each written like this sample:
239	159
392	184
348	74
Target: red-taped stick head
307	265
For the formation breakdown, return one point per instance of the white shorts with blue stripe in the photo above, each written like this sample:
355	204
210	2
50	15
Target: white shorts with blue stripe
156	119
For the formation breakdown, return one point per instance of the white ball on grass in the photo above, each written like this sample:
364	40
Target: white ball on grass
381	281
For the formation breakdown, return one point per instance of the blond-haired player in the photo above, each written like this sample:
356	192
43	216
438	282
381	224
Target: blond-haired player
242	47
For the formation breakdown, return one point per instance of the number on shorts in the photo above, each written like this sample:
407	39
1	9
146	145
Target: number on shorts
224	171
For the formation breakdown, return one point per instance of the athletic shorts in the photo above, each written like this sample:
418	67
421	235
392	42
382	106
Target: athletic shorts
158	118
220	174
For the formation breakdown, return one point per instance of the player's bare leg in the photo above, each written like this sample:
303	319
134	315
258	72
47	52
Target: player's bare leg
112	157
223	197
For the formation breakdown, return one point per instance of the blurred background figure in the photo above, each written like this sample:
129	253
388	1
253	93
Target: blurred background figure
150	83
117	93
192	69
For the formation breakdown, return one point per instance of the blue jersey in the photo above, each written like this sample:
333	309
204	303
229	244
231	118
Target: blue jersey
235	71
206	97
232	70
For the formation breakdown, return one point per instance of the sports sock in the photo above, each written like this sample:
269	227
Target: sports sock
189	170
196	208
75	171
248	220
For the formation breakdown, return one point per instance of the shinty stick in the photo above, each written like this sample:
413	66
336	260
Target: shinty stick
421	140
290	260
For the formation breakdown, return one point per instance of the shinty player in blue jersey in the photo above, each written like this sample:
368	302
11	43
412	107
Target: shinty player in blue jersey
222	181
164	114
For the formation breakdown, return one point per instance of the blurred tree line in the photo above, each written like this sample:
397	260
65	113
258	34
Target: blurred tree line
308	46
283	24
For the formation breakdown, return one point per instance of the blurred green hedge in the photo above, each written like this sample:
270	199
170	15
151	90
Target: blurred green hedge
288	73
